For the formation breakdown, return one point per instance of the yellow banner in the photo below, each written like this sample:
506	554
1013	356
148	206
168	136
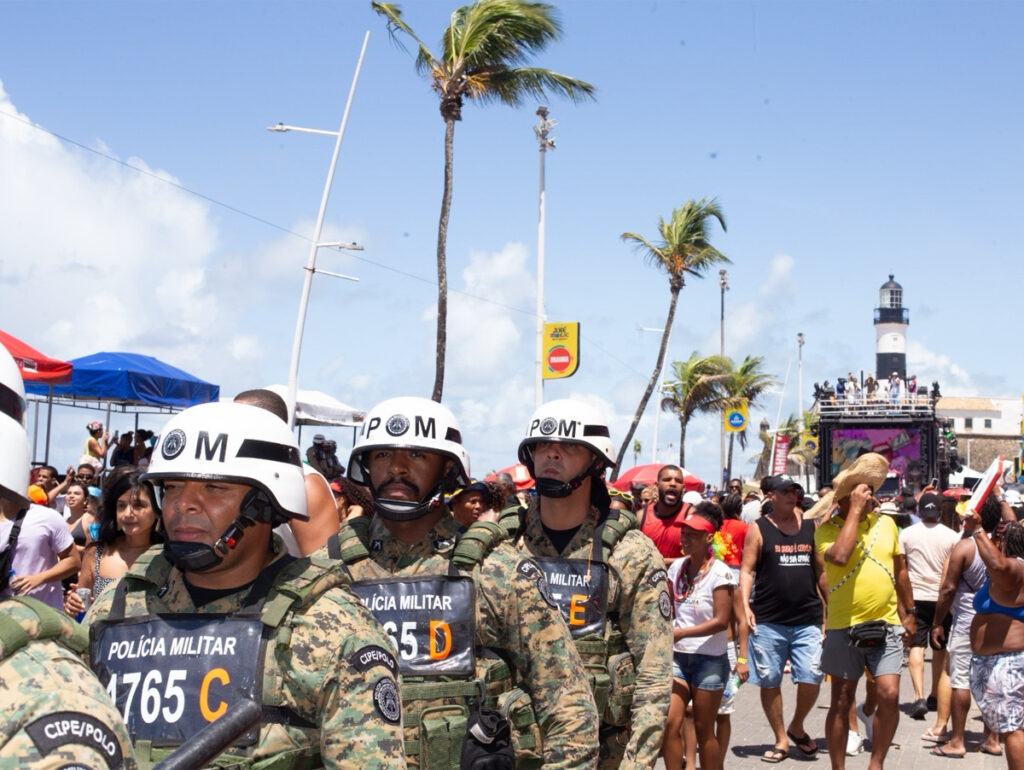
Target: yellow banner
809	440
561	350
735	419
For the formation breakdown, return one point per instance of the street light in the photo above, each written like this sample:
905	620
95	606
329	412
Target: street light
543	133
300	322
723	281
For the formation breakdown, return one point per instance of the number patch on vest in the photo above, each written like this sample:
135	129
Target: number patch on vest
580	589
431	622
170	677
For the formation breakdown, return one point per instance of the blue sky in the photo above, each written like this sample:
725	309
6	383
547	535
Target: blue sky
845	141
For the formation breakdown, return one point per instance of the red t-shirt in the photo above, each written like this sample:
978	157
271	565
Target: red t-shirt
737	530
665	533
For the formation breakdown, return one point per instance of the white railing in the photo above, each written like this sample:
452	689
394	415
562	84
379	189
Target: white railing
877	407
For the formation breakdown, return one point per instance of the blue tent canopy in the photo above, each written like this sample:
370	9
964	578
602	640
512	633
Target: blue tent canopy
133	379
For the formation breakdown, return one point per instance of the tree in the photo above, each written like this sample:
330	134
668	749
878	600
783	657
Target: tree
697	385
683	250
746	381
481	51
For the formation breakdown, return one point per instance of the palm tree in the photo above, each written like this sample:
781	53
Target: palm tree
746	381
697	385
481	51
684	250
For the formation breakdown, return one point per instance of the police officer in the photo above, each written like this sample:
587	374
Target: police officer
460	603
607	577
221	612
57	714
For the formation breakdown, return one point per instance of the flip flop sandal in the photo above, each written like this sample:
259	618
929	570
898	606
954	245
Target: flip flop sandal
802	743
931	735
938	752
774	755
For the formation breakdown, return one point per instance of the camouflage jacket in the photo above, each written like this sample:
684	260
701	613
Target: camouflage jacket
638	604
58	714
513	616
313	665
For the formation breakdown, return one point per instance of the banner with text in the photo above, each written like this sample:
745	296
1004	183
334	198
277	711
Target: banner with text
780	454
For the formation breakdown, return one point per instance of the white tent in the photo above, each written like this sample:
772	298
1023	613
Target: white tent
312	407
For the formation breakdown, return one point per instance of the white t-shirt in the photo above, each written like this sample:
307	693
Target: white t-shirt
926	547
43	536
698	606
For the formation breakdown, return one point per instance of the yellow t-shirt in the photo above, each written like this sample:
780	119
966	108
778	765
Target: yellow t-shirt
869	593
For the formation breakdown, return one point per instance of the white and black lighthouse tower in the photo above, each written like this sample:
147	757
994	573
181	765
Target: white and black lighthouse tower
891	321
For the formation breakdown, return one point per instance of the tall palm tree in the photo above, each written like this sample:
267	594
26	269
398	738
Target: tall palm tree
697	385
746	381
683	250
481	51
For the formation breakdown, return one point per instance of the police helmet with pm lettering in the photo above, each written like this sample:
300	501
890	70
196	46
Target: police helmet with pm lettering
566	421
410	422
236	443
12	388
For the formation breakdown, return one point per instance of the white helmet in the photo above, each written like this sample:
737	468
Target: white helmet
14	461
566	421
410	422
12	388
236	443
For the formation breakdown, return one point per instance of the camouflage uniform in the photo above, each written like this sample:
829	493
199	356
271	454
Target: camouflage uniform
511	616
638	598
58	715
310	666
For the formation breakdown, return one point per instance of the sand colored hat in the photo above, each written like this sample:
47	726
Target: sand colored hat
869	468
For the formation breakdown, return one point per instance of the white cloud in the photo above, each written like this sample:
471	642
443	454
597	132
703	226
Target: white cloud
930	366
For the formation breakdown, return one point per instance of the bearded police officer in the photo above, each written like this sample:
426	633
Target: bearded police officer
222	613
607	577
56	712
460	603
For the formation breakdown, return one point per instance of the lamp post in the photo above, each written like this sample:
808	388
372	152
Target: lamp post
543	132
723	282
300	322
800	380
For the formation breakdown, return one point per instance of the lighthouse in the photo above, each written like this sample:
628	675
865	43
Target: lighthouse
891	321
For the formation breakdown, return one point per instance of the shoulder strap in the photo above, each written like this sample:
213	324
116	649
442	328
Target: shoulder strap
348	544
475	543
7	554
616	525
51	625
513	519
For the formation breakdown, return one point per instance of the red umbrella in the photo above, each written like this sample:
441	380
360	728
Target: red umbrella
646	475
33	364
519	474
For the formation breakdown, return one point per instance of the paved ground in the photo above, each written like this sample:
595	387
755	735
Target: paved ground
751	736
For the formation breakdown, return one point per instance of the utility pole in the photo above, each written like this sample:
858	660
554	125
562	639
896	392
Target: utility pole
546	141
723	281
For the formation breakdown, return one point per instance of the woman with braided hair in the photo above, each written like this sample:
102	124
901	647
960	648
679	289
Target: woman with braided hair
997	632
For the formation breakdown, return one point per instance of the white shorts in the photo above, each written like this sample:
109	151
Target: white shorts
958	651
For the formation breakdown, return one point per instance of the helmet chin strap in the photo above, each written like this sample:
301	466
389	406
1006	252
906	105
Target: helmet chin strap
406	510
199	557
547	487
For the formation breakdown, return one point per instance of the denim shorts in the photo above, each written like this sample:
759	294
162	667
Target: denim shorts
703	672
840	658
769	647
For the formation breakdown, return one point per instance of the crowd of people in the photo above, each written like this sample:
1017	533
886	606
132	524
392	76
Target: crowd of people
396	609
851	391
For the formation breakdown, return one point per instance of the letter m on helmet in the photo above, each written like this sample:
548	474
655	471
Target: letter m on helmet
204	447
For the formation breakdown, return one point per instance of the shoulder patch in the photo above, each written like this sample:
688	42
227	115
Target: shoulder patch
528	569
367	657
665	605
386	700
63	727
658	576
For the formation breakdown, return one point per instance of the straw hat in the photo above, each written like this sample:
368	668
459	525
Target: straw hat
870	469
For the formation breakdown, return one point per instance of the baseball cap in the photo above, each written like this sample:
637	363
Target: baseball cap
928	505
692	498
782	481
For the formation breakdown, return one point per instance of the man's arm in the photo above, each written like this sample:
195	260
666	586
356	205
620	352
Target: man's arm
951	572
904	595
748	568
67	564
645	612
821	580
61	488
323	516
840	551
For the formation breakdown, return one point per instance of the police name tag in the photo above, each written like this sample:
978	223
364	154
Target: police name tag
171	676
430	621
580	589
